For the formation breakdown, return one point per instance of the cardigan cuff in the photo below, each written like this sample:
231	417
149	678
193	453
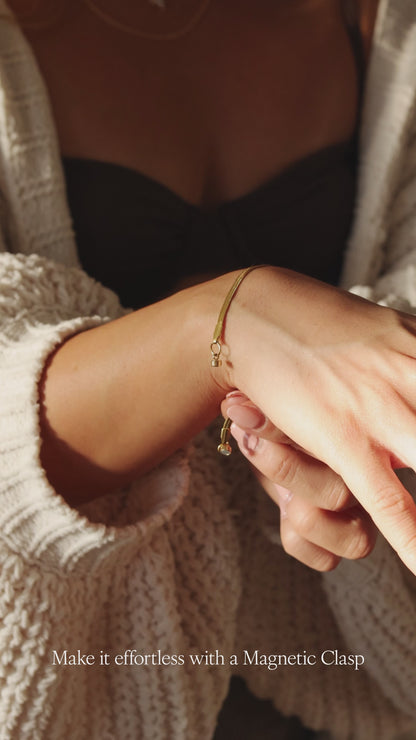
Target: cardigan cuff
35	521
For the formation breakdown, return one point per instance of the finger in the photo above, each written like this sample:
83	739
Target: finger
296	471
237	407
348	534
398	435
307	553
378	489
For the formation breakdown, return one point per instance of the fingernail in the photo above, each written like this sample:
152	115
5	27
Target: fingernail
248	417
247	443
235	394
250	443
284	496
283	493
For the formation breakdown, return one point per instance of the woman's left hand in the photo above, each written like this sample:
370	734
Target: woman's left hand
320	520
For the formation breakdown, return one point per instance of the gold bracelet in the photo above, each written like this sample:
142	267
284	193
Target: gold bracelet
224	448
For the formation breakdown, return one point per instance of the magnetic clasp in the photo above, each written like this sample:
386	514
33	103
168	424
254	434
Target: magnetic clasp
224	447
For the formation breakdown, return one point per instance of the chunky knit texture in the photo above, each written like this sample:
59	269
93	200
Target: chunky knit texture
186	559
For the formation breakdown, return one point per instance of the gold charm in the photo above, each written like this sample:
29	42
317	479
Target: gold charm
224	447
215	353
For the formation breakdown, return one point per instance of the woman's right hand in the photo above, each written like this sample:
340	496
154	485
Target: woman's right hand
320	520
337	374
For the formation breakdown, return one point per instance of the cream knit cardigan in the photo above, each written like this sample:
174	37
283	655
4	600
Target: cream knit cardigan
186	559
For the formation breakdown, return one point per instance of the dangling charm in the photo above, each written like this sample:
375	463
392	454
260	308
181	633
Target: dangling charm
215	353
224	447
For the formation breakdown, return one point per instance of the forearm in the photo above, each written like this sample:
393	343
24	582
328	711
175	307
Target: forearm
118	399
325	366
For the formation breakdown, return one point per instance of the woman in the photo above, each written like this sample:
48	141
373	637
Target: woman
121	559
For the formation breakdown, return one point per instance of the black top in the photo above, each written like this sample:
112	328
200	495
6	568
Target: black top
139	238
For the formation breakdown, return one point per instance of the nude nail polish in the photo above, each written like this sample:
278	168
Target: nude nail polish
250	443
247	416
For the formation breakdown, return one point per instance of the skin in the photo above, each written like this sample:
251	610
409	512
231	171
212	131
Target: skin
341	380
320	519
226	135
208	136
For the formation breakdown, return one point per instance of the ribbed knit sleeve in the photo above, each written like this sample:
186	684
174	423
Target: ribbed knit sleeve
395	284
375	609
382	239
42	303
284	611
374	600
